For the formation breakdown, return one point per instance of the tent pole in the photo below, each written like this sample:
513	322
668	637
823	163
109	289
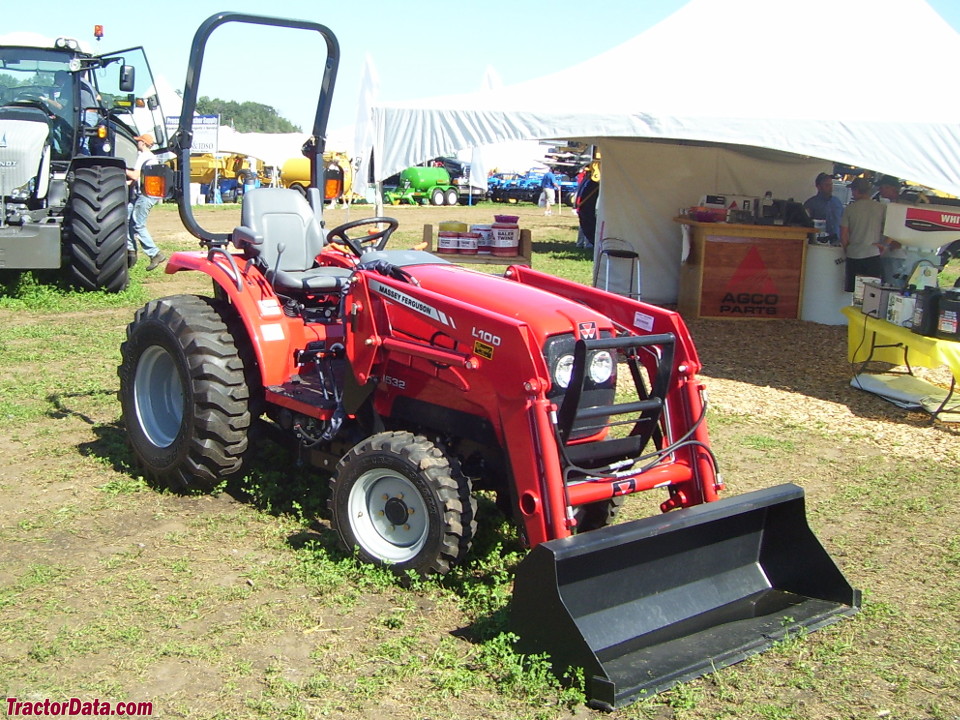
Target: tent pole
378	203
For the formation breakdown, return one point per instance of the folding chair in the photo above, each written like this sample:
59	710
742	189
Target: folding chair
617	268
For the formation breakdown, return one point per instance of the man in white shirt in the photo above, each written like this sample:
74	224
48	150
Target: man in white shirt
141	207
861	234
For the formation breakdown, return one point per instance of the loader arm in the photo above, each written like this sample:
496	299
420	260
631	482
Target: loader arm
684	398
411	341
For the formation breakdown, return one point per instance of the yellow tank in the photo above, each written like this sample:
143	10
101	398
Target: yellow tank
338	175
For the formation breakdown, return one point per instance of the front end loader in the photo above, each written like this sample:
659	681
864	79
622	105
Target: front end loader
412	384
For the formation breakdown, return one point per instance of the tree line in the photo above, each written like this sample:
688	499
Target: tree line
246	116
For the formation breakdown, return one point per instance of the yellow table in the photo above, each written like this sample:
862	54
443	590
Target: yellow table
869	338
874	339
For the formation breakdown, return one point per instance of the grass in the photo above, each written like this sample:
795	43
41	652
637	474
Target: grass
240	604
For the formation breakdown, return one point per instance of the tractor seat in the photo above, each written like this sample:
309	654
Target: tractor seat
280	229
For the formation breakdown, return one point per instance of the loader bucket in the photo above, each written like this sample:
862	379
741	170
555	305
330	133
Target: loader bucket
648	604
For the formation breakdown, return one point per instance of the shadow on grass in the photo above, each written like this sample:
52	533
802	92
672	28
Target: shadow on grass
60	410
110	445
278	481
21	284
561	250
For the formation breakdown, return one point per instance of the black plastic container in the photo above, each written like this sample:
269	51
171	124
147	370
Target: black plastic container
925	312
948	315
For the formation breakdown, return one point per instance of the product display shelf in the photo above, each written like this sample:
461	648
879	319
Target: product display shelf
524	251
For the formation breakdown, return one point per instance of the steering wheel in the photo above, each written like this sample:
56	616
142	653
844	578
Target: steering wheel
358	245
31	95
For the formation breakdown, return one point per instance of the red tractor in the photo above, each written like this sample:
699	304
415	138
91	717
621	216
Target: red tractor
412	383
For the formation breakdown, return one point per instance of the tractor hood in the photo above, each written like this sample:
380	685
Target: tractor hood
24	132
546	313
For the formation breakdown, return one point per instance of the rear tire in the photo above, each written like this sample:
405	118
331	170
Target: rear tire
185	391
437	197
95	229
453	197
402	503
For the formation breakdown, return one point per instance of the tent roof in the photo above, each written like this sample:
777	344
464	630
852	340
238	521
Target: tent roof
861	82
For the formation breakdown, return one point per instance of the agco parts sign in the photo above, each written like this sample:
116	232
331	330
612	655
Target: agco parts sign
758	279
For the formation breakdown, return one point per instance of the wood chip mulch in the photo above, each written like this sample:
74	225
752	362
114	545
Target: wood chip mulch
797	372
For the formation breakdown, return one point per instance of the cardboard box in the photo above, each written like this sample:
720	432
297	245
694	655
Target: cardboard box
900	310
746	203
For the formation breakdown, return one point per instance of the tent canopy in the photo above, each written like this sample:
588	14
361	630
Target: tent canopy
731	96
860	82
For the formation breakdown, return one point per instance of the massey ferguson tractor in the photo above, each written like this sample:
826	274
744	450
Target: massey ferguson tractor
68	119
412	383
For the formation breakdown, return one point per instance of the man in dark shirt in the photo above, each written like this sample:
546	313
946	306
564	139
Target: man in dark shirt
824	206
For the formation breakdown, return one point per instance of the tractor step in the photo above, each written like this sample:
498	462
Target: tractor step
309	394
648	604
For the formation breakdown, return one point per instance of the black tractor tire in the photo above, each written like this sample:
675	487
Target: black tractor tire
401	502
594	516
95	229
186	391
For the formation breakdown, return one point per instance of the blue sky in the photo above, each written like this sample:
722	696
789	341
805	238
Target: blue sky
420	48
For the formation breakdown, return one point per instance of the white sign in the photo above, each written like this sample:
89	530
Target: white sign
205	130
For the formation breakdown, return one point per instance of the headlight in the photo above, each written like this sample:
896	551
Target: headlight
563	370
601	367
25	191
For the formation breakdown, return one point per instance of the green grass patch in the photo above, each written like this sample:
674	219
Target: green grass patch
34	292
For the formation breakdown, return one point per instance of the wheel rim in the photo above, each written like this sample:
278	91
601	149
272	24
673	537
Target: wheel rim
378	502
158	394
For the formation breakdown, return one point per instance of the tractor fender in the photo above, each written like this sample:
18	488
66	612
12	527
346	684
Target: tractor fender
273	335
96	160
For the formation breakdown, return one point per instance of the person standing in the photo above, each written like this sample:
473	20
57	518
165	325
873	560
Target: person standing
549	185
588	191
825	206
141	206
861	234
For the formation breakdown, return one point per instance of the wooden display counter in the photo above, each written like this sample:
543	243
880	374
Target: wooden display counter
742	271
524	251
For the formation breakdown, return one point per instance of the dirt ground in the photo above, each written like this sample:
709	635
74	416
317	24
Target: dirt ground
206	606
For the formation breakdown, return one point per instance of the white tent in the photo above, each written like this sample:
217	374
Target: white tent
363	136
272	148
719	85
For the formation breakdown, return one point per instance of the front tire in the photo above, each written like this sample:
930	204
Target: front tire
401	502
184	391
95	229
